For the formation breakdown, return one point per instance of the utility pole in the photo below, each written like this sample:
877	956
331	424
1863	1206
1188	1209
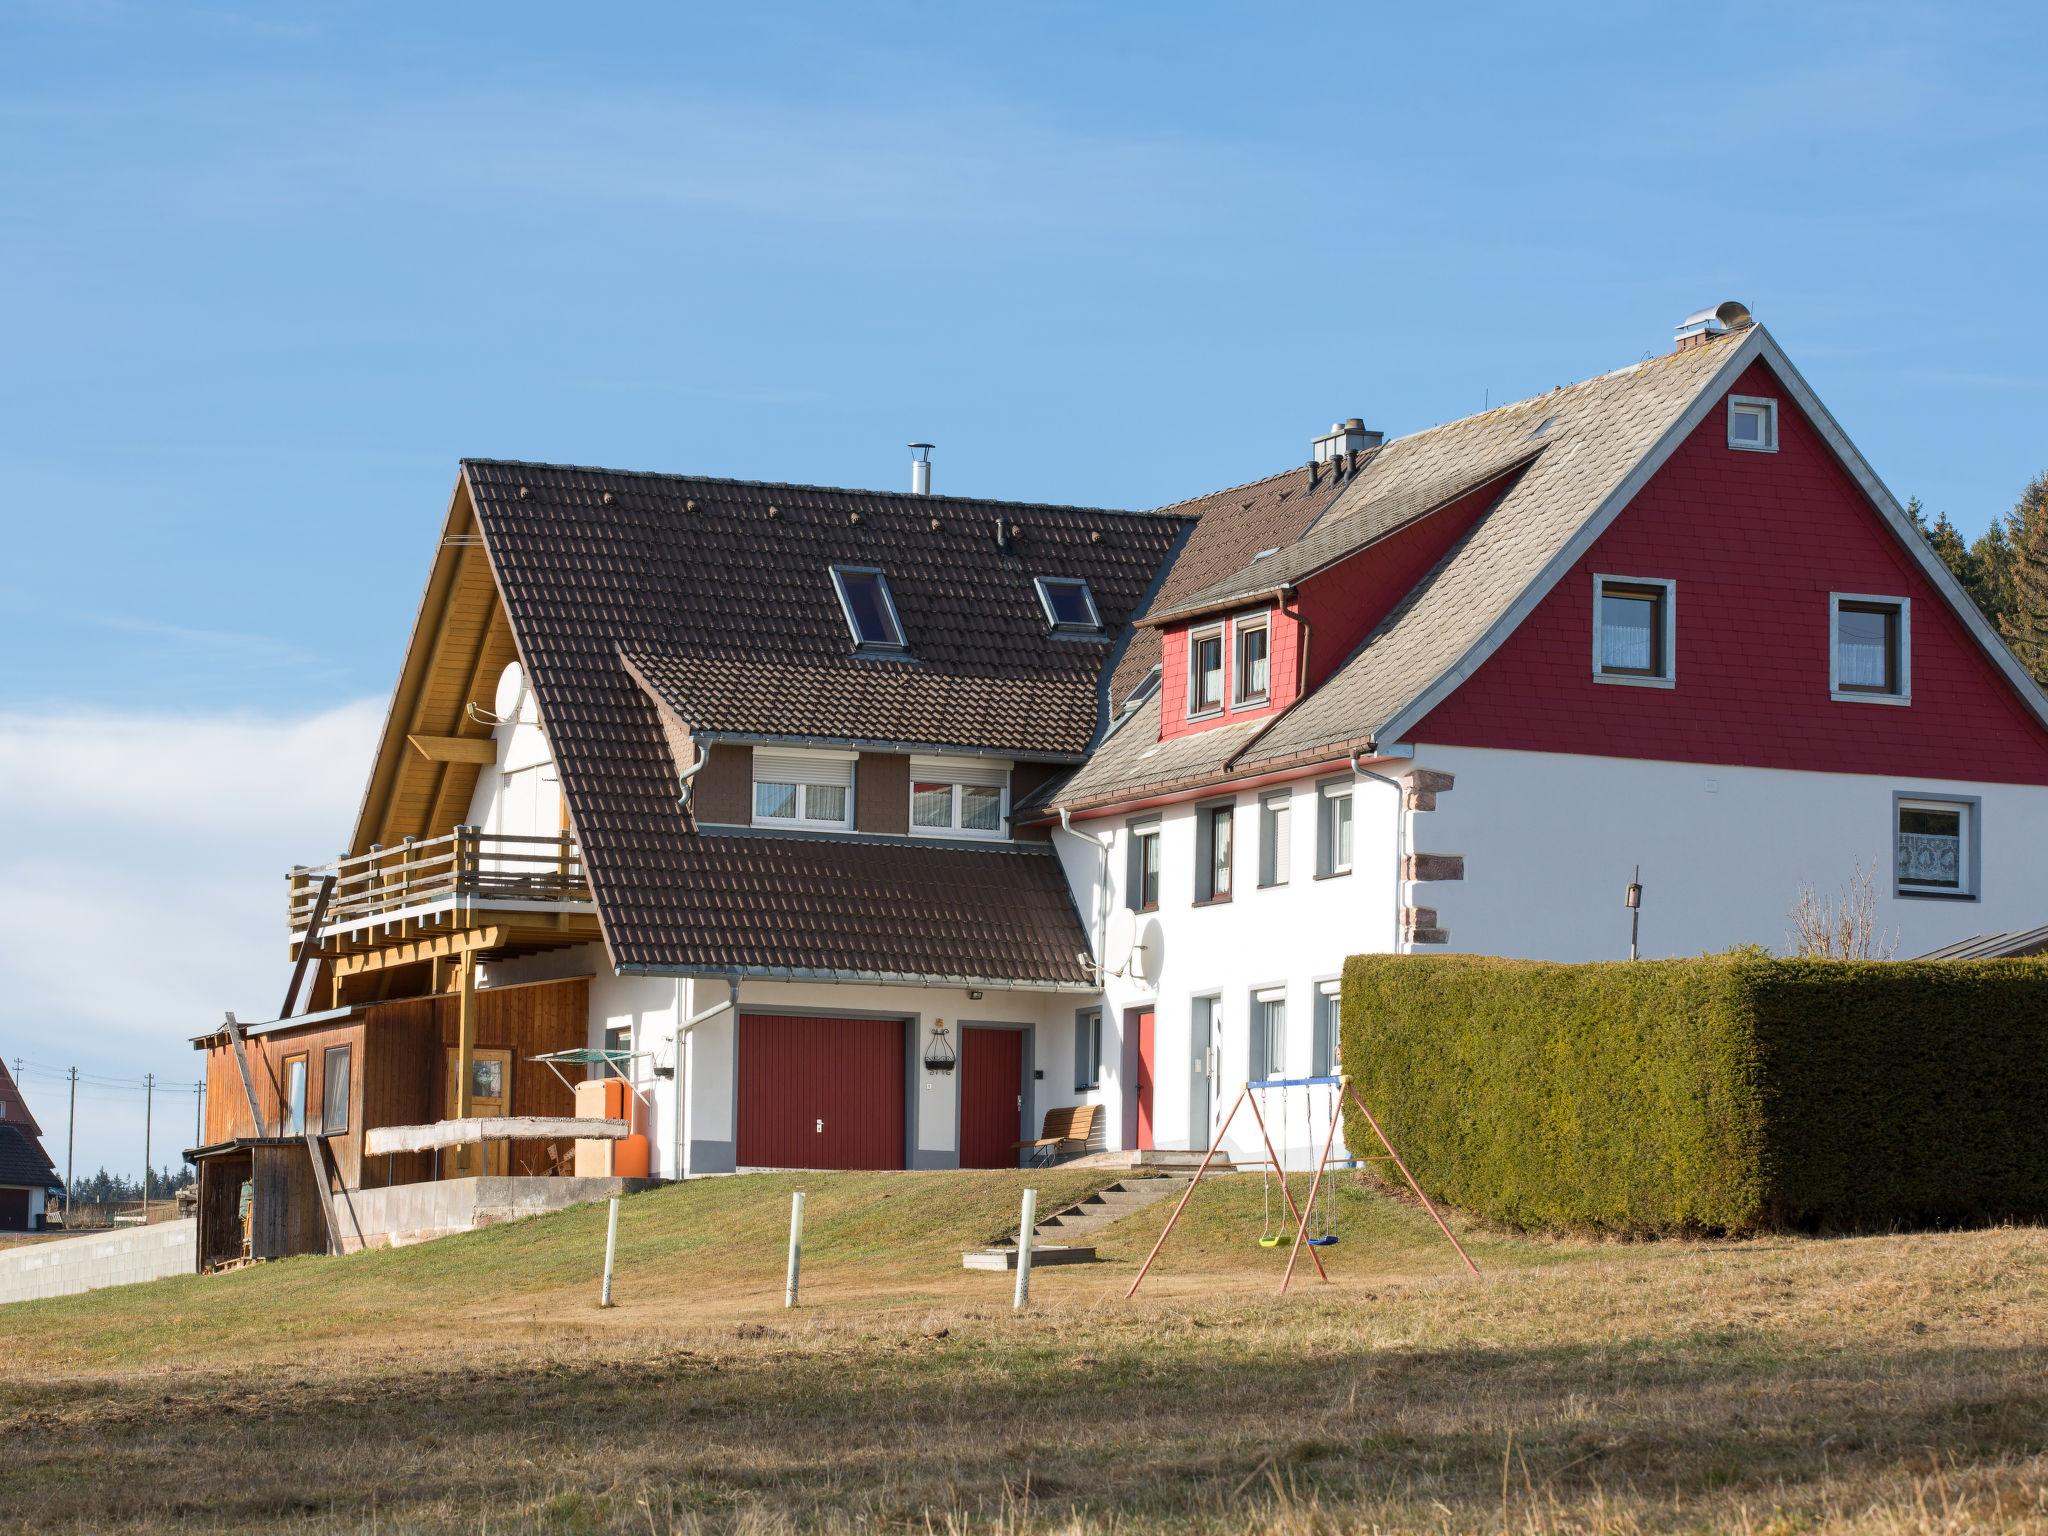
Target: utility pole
148	1106
70	1147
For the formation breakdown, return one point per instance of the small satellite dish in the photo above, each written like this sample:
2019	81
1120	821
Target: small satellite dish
1149	955
511	692
1119	937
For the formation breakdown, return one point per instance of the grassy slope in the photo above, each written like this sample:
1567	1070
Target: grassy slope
472	1384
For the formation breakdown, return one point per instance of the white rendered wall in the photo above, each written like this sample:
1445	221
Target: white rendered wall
1289	936
1550	840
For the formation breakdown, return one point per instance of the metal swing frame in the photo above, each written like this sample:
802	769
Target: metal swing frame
1301	1213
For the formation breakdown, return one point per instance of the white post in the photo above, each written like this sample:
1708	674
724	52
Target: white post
1025	1223
796	1247
611	1246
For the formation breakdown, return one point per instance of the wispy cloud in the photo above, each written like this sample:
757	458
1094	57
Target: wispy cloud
144	889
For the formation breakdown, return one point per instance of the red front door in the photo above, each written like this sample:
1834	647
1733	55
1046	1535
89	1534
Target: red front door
820	1093
1143	1024
991	1097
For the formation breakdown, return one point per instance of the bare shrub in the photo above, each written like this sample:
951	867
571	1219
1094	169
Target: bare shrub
1842	926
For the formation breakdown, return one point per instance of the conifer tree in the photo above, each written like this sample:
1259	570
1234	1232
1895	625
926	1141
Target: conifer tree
2026	627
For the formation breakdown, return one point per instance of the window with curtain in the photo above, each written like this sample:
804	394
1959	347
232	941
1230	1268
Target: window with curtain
1141	881
1213	853
1870	647
1333	829
1253	645
959	796
1205	671
1936	847
803	789
1634	622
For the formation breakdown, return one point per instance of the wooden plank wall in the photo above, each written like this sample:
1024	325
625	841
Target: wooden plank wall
285	1218
399	1068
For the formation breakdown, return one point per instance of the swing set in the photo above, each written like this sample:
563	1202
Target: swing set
1299	1215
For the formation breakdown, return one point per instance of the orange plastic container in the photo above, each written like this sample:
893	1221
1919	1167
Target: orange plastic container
601	1098
629	1158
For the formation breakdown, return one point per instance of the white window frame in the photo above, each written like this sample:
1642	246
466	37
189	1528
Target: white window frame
1259	1029
1239	628
1969	853
1088	1032
1329	1019
1759	405
860	642
956	774
1052	618
1843	695
1276	838
803	821
1134	875
1198	711
1668	677
1327	867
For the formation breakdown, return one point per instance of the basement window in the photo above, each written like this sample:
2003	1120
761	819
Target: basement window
1633	630
1869	649
811	790
1069	605
1752	424
870	610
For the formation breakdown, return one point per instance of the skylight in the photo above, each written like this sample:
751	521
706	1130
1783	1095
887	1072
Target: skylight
1069	605
870	610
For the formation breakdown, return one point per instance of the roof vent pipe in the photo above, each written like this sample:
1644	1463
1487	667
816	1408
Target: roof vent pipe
920	469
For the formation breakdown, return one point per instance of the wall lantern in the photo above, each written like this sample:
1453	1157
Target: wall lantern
1633	899
938	1051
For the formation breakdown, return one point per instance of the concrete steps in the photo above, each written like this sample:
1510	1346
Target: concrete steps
1059	1238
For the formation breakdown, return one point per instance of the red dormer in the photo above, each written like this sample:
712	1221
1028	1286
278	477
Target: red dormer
1228	667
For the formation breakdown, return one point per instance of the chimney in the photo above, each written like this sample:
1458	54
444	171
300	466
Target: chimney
920	469
1342	438
1703	325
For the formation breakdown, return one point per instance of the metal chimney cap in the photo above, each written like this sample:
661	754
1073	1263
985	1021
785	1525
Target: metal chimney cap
923	451
1728	315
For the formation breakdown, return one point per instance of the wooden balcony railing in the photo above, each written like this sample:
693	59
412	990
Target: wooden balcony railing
468	867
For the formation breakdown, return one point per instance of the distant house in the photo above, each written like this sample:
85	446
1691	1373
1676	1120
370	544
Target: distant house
28	1179
828	817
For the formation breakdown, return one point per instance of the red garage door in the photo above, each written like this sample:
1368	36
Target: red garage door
820	1093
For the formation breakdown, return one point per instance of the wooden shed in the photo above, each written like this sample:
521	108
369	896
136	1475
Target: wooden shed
344	1072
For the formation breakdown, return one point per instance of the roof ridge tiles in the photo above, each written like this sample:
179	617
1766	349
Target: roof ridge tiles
916	498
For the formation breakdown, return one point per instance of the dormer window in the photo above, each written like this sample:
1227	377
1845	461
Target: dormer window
1205	671
811	790
959	797
1069	605
870	610
1254	644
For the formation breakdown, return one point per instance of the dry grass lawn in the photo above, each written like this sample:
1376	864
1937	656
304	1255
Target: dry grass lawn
1892	1384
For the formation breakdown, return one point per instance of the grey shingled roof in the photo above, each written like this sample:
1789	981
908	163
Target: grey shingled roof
23	1162
1599	431
1372	507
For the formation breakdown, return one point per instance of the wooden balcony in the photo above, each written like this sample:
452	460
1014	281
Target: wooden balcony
428	898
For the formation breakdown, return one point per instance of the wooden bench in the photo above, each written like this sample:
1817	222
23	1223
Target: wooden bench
1063	1128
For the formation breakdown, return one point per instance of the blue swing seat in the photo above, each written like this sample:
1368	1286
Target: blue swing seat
1323	1242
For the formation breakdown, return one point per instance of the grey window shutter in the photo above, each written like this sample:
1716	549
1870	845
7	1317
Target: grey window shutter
1255	1064
1083	1079
1320	1044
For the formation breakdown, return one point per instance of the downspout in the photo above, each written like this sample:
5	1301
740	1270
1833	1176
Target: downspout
684	776
1102	900
1400	831
682	1078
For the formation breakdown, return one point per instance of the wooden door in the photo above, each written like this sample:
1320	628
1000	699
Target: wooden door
490	1093
1142	1024
820	1092
991	1097
13	1210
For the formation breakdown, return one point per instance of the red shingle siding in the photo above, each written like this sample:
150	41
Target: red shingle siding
1755	542
1283	673
1346	603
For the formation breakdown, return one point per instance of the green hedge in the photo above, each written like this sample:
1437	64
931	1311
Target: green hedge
1733	1093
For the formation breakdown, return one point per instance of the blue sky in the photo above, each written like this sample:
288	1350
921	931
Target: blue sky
271	270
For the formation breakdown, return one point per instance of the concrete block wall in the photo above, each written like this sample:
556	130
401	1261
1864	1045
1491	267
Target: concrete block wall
67	1266
415	1213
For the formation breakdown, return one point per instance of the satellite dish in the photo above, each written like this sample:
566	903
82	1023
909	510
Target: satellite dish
511	692
1150	952
1119	938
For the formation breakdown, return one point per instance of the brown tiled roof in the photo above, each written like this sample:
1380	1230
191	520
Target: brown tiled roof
720	590
1230	527
23	1162
730	614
